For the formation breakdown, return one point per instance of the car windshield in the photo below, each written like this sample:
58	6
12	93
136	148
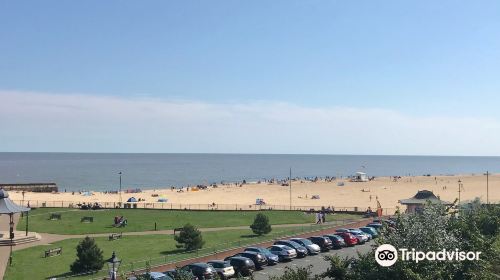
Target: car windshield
266	251
217	265
294	244
306	242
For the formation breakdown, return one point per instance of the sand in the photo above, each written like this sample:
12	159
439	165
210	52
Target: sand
352	194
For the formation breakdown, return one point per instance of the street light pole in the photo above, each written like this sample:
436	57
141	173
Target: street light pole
120	192
459	190
290	185
487	188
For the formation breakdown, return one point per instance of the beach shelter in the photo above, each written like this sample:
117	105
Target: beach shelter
360	177
7	206
132	199
162	199
416	203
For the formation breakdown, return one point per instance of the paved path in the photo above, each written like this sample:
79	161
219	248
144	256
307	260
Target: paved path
48	238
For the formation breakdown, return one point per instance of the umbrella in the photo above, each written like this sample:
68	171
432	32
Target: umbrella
132	199
162	199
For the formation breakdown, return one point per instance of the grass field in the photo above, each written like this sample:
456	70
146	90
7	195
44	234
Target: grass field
144	220
133	250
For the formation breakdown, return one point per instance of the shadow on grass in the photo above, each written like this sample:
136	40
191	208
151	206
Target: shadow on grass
173	252
249	236
62	275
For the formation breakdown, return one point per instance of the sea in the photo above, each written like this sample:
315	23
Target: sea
100	171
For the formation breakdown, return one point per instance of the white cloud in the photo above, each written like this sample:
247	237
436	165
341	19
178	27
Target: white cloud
52	122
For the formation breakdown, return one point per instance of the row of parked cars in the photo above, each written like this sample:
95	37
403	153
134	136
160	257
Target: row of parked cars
256	258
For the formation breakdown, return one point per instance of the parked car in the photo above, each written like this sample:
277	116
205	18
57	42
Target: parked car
201	270
370	237
324	243
300	250
342	230
370	230
391	223
176	273
377	226
361	236
154	276
337	241
272	259
242	266
283	252
349	239
258	259
223	268
312	249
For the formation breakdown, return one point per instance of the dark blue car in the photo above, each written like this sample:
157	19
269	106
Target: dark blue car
271	258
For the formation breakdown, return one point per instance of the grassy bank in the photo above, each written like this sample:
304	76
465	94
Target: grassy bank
133	250
144	220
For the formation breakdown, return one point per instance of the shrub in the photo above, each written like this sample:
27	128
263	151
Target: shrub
261	225
89	257
189	238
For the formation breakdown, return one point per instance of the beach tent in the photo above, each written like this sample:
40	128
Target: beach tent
132	199
162	199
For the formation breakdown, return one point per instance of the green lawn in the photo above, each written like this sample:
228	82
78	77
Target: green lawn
133	250
144	220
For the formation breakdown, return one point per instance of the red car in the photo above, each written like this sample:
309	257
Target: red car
350	240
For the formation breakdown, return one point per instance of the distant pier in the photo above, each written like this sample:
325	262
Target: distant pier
31	187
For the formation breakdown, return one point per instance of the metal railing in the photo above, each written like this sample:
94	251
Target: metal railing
180	206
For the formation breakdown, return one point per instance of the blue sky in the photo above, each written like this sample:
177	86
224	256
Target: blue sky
424	60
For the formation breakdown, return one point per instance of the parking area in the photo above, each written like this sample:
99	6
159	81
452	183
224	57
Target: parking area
319	265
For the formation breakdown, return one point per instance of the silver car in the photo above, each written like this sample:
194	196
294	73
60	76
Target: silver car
312	248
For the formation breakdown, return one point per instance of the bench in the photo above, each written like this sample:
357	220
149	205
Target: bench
87	220
115	236
55	216
53	252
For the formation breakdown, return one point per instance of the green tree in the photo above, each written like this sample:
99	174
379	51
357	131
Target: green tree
261	225
433	230
299	273
89	257
189	238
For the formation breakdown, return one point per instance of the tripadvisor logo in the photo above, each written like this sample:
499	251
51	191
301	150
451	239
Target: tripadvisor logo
387	255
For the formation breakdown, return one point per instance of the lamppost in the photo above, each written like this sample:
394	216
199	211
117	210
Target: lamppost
120	193
113	265
290	184
487	188
460	186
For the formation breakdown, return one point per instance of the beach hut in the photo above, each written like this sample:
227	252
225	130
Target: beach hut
360	177
132	199
417	203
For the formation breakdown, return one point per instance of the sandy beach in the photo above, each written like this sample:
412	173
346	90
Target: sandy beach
352	194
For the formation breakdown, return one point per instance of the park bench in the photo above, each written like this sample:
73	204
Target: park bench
55	216
53	252
115	236
87	220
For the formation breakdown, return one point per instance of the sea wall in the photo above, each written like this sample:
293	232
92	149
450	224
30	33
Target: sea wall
31	187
